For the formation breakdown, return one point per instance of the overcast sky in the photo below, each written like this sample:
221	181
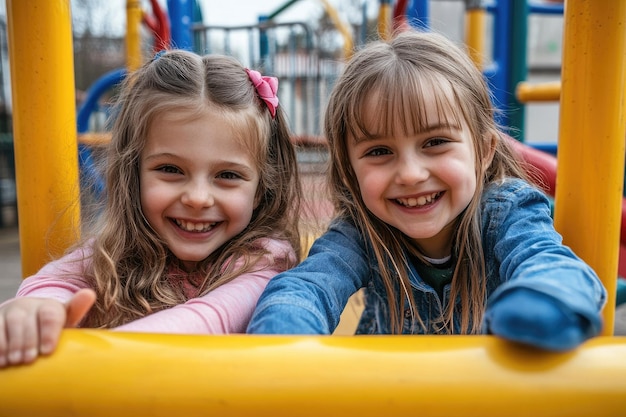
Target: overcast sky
245	12
233	12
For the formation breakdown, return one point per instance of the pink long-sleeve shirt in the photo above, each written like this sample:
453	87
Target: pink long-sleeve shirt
226	309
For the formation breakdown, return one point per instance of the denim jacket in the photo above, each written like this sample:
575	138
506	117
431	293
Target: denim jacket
521	249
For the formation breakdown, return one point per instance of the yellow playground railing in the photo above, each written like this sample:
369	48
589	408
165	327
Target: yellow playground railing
105	373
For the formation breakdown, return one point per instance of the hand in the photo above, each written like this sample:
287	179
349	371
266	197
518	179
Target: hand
30	326
533	318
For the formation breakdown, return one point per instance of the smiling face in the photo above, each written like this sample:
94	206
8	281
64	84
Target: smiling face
198	183
418	182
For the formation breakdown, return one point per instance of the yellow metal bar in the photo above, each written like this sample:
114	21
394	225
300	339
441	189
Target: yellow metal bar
343	29
101	373
475	35
590	169
384	21
134	14
44	128
527	92
94	138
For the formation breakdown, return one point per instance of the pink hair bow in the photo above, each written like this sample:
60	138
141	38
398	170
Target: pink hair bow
266	88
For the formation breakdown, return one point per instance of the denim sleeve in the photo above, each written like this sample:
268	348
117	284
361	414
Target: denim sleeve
535	265
310	298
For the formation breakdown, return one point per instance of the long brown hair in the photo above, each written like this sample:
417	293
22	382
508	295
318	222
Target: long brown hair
130	262
397	72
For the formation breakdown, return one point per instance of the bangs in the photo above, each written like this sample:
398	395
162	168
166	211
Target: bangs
246	127
387	108
250	131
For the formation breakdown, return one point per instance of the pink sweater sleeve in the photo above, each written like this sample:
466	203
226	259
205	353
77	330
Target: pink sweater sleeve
59	279
227	309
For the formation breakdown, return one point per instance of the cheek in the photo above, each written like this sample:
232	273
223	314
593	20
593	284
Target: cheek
144	195
243	204
460	170
471	189
464	180
153	198
149	206
372	185
144	190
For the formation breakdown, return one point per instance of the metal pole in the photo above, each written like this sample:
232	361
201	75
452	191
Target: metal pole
134	13
590	168
44	116
103	373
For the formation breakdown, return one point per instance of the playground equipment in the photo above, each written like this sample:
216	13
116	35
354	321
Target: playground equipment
306	77
515	91
99	372
45	146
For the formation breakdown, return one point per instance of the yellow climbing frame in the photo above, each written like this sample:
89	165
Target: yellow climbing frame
104	373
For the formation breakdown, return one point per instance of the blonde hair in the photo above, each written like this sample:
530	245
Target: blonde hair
397	72
130	262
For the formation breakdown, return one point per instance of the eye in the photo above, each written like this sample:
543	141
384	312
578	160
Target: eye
436	142
169	169
378	152
229	175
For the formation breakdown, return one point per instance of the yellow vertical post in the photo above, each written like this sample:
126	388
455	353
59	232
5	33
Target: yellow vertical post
475	34
590	169
384	20
134	15
44	128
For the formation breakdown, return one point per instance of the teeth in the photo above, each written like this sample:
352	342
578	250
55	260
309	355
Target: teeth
419	201
194	227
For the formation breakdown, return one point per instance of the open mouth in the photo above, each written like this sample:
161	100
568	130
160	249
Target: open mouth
421	201
201	227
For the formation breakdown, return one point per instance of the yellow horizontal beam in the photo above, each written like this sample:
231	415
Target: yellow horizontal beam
549	91
103	373
94	138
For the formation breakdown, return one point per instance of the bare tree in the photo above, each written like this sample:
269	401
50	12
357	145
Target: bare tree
98	28
98	18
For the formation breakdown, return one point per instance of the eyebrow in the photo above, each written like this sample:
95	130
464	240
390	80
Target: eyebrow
440	126
221	163
427	129
150	157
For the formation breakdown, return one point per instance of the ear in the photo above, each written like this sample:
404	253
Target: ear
491	138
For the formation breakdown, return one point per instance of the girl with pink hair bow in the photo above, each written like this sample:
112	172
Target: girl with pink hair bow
202	209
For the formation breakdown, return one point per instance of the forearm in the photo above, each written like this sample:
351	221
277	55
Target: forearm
59	279
548	296
310	298
227	309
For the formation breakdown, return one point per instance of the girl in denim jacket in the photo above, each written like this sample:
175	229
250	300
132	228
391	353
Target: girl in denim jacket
435	216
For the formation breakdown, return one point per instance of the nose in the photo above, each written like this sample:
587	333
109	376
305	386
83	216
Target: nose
411	169
198	194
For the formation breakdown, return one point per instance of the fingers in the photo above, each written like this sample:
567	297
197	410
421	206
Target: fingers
78	306
17	336
51	318
32	326
50	324
22	322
